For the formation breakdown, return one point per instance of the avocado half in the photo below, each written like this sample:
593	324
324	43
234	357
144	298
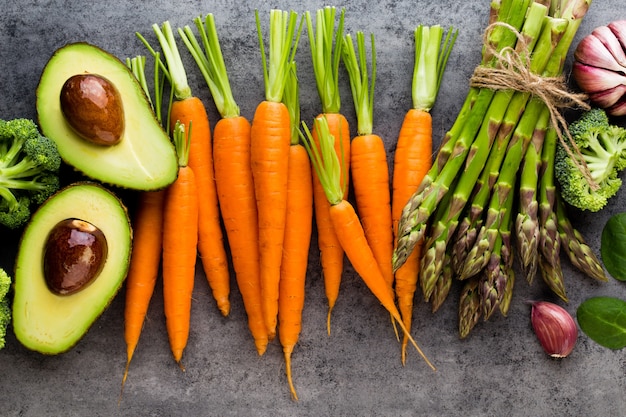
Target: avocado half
49	323
144	159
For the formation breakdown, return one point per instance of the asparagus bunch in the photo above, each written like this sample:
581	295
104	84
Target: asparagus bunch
492	185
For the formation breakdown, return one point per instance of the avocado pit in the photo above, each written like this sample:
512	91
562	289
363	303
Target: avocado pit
75	253
92	106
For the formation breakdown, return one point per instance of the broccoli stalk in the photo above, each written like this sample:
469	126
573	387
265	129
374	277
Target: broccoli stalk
29	170
603	150
5	308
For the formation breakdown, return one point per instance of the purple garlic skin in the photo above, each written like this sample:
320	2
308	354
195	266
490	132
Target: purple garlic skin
555	328
599	67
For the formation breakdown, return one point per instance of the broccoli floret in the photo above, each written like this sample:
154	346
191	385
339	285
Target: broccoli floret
29	170
603	149
5	308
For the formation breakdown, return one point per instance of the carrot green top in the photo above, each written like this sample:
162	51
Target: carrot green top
282	49
137	65
210	61
175	69
325	57
182	139
362	90
291	99
325	161
431	57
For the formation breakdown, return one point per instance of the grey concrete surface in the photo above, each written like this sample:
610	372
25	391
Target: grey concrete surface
500	370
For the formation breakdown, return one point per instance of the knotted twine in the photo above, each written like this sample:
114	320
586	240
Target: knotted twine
512	72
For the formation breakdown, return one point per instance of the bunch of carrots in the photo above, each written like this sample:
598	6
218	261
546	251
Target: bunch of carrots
267	181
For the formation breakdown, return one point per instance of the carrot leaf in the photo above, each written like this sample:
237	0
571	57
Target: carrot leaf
431	57
282	49
137	65
182	140
324	159
362	88
291	99
325	57
210	61
174	64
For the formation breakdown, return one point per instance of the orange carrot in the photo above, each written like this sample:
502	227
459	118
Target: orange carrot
143	269
180	239
270	138
298	226
348	226
414	153
210	238
186	108
326	68
147	238
368	159
233	175
412	157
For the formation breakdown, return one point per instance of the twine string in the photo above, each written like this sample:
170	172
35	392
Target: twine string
512	71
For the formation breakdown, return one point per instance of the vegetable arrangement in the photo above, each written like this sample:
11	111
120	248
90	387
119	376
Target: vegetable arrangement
497	188
467	206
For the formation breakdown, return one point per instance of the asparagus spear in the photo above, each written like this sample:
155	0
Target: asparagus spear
469	307
549	238
577	250
527	220
494	277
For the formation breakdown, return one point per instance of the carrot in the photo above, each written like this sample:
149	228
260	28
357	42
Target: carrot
414	153
186	108
326	61
147	240
348	227
180	239
270	138
298	227
368	159
233	175
143	269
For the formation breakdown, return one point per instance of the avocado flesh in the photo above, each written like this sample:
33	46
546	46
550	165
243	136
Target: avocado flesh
50	323
144	159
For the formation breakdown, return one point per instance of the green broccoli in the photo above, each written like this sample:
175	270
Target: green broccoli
603	149
5	308
29	170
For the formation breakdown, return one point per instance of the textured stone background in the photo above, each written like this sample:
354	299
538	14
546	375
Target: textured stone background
500	370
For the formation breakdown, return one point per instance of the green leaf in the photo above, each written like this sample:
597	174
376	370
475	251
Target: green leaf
613	246
603	319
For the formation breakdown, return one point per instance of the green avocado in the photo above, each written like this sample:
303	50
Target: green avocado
143	159
52	323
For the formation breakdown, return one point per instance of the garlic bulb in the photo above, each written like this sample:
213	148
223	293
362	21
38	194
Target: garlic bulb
555	328
599	67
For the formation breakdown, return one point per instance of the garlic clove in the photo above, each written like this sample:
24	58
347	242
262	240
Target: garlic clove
608	98
618	109
618	28
591	78
555	328
593	52
605	35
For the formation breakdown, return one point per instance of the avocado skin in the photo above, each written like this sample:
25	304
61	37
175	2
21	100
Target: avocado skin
52	324
144	159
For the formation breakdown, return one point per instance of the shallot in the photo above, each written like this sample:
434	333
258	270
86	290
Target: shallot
555	328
